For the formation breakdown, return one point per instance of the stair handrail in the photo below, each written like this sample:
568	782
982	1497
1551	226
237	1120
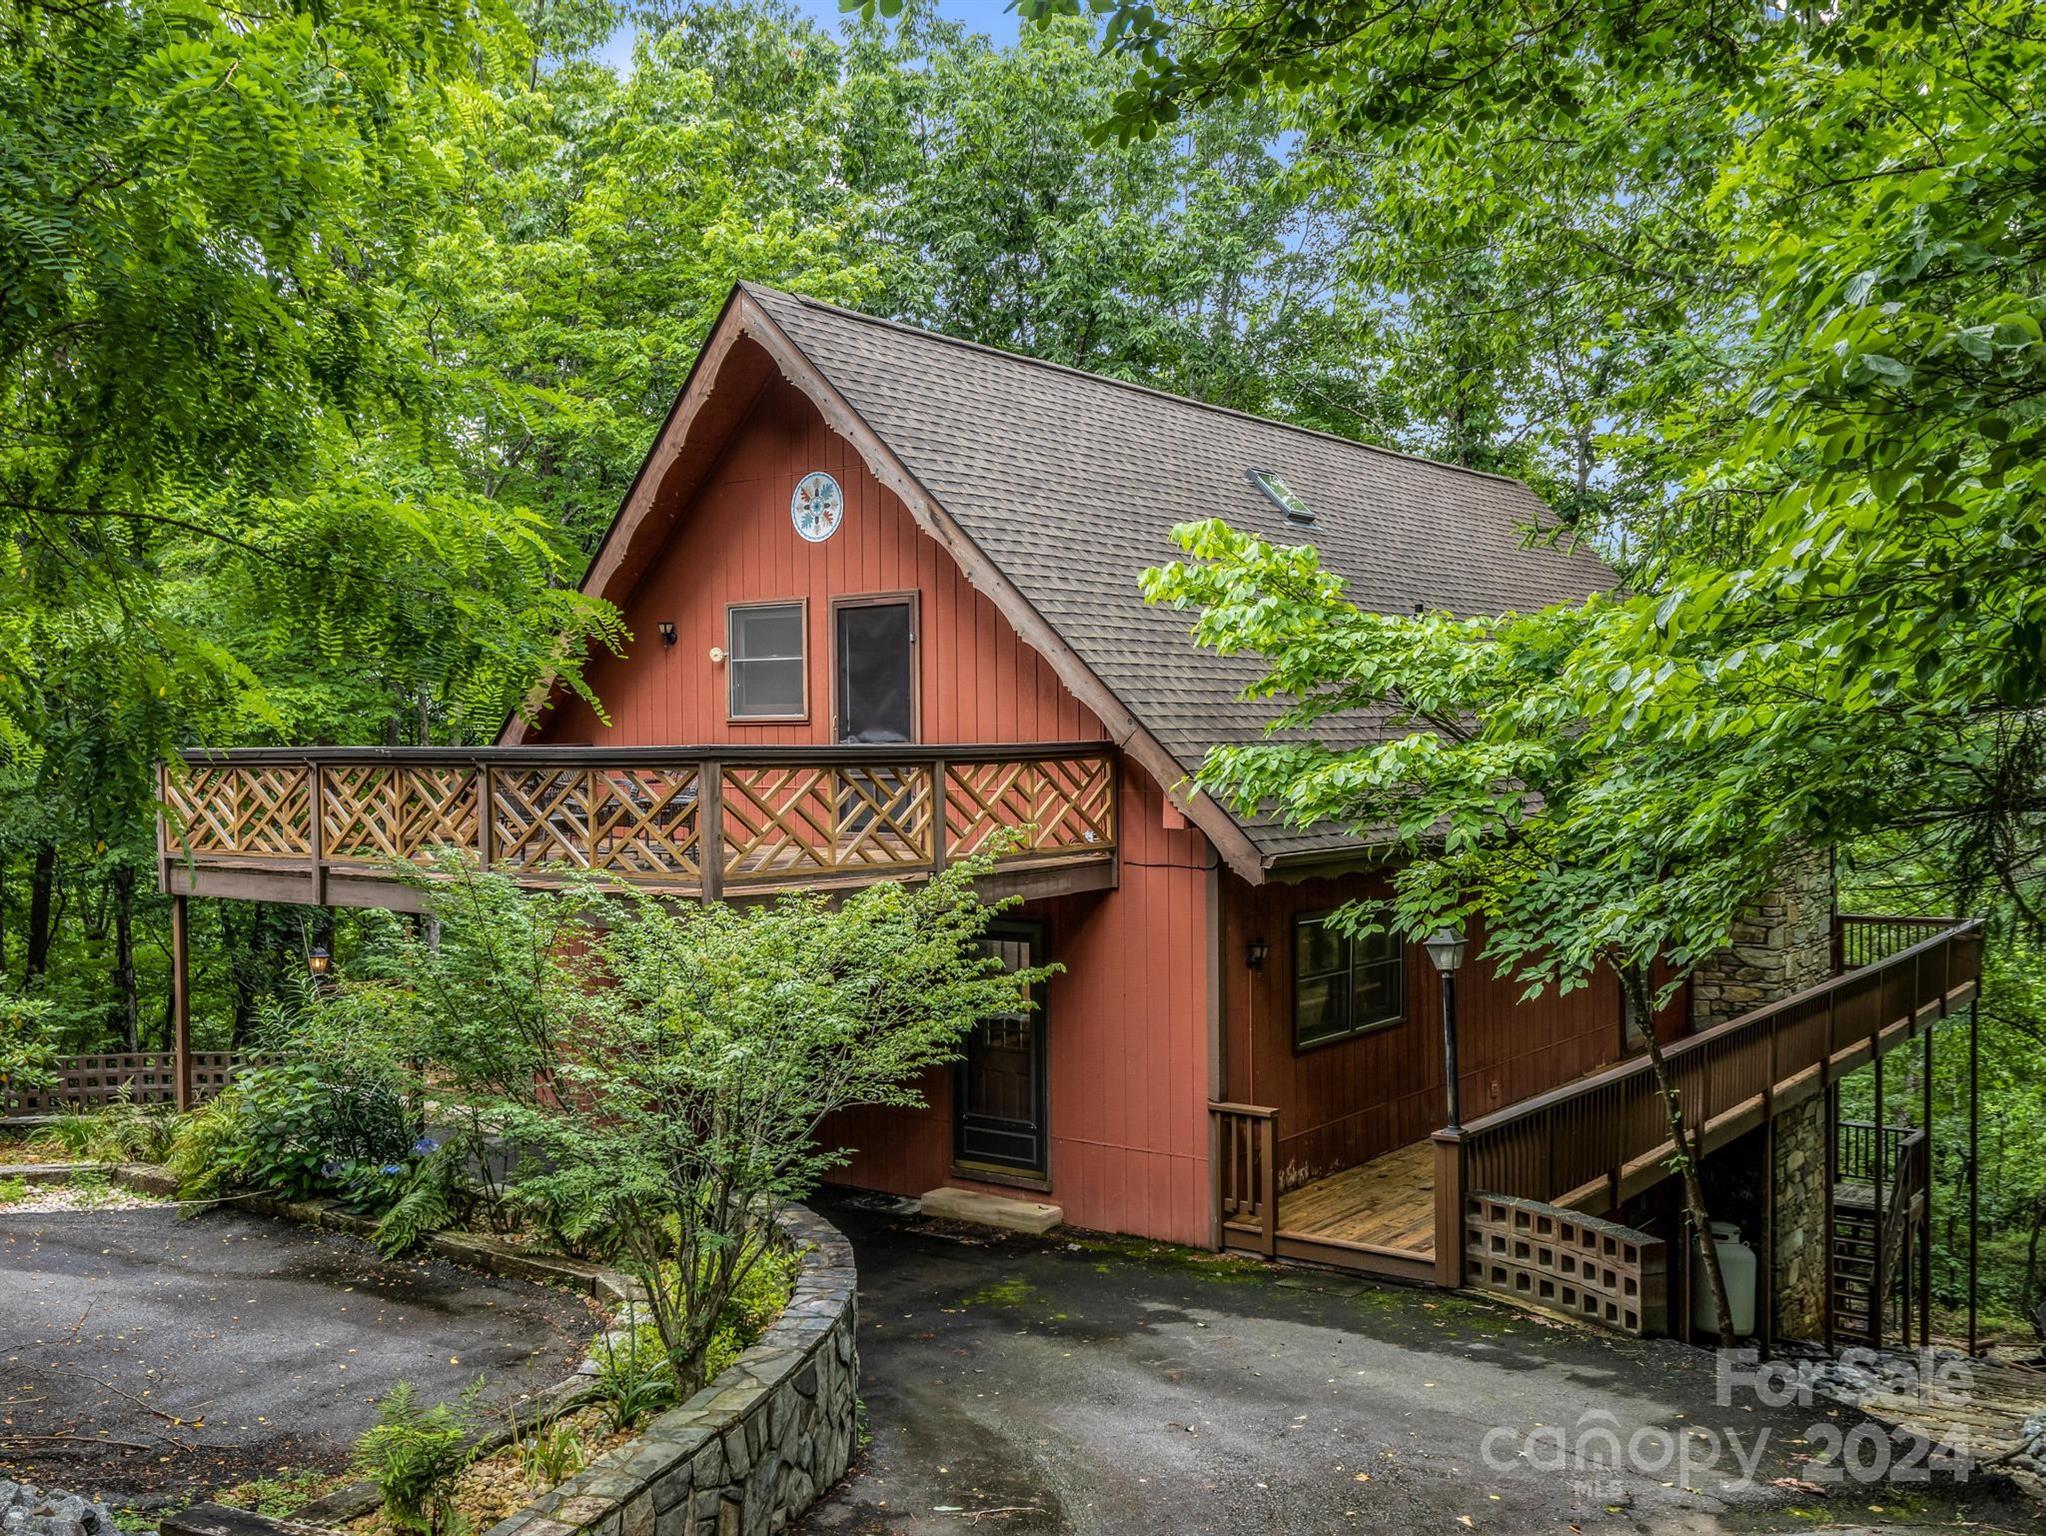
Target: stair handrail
1905	1193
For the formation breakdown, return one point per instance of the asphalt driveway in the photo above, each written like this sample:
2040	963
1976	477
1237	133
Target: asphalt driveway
1025	1386
144	1358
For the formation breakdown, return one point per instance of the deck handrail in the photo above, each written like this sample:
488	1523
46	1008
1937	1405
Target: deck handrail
698	820
1556	1143
644	757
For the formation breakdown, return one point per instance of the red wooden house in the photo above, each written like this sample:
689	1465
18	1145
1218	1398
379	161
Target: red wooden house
883	588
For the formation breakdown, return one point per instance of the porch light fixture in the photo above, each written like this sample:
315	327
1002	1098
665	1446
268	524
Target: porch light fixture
319	962
667	627
1446	948
1254	955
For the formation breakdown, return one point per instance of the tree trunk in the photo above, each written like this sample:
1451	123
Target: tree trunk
42	888
1688	1145
124	954
2032	1301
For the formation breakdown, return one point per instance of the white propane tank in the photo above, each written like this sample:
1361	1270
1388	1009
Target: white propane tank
1738	1267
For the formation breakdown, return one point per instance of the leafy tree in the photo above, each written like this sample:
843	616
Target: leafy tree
1558	840
662	1075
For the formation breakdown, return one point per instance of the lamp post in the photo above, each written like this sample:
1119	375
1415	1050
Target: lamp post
320	965
1446	950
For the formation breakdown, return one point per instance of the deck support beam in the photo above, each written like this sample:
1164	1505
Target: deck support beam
181	1000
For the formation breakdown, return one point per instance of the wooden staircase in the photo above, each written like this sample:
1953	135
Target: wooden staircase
1880	1222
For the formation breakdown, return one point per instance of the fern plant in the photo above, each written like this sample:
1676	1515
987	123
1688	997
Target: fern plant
436	1195
413	1455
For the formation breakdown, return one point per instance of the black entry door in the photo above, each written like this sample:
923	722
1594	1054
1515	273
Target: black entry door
876	672
998	1102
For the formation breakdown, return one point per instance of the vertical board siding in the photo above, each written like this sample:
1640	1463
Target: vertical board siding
1126	1022
1127	1018
1348	1102
735	543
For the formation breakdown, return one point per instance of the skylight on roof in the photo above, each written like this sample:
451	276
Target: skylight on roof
1281	495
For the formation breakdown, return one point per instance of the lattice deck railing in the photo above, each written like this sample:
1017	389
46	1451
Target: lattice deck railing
701	821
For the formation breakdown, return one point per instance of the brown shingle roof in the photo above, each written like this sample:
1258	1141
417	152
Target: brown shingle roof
1070	484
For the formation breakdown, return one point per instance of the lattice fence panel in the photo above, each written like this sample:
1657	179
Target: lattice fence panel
1066	805
140	1077
1564	1261
884	817
645	823
397	812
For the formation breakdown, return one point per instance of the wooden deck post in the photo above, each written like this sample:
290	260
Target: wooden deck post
1268	1182
710	829
181	1002
1449	1202
1974	1167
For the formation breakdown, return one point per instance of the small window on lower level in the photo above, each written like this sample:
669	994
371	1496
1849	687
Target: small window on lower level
1344	986
767	678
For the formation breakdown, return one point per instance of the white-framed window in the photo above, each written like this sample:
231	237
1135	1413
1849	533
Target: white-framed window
766	675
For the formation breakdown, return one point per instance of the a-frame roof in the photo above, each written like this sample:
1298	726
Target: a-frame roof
1054	488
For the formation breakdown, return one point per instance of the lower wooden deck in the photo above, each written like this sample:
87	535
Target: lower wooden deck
1388	1202
1378	1217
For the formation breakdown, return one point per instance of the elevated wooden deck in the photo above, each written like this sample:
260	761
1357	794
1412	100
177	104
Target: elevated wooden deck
1561	1157
332	826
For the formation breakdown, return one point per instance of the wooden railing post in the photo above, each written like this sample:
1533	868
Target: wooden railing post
181	1003
939	852
486	816
710	827
1268	1183
315	791
1450	1168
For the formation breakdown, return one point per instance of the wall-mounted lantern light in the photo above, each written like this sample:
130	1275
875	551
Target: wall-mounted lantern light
667	627
1254	956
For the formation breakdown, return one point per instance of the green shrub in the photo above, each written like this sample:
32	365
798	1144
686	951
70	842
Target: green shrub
638	1378
413	1456
294	1131
28	1050
754	1306
13	1191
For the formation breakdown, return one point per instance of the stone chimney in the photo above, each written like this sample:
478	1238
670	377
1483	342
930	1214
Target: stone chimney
1782	944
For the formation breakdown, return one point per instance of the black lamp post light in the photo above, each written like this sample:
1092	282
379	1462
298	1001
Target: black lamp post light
1446	949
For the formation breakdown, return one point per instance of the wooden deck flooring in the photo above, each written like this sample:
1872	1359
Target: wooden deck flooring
1388	1202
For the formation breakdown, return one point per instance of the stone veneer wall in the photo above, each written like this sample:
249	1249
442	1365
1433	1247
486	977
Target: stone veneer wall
1800	1268
752	1451
1781	945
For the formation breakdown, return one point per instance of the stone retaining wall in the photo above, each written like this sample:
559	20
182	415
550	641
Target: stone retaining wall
747	1455
750	1452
